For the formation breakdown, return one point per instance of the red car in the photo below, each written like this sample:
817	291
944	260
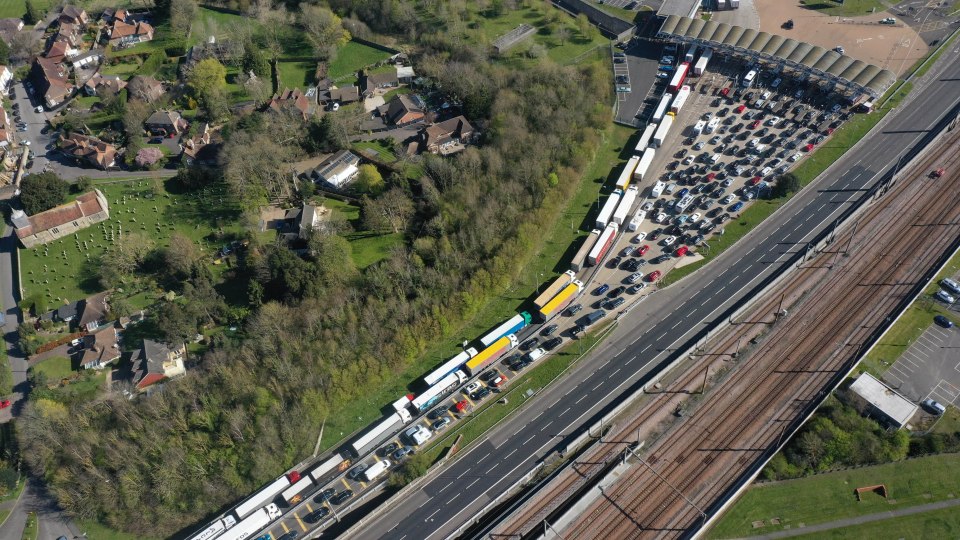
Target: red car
642	250
681	251
754	181
808	148
653	276
710	177
740	109
462	406
938	173
4	403
725	91
755	124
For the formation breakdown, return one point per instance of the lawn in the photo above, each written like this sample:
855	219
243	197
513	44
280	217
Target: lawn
30	529
97	531
123	70
56	368
296	74
944	523
368	248
351	58
378	150
847	8
214	23
15	9
828	497
64	269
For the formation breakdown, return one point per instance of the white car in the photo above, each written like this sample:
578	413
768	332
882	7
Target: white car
688	160
660	217
943	296
639	238
38	109
647	206
773	121
637	276
728	199
796	157
472	387
668	241
666	60
695	217
26	143
626	251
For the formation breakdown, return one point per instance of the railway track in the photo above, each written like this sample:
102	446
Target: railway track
693	463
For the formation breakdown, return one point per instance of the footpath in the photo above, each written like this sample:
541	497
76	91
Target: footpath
859	520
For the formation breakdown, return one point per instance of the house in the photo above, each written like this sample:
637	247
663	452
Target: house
165	123
63	220
51	80
10	28
6	76
293	100
69	33
296	223
124	34
73	15
226	52
338	169
155	362
6	130
341	96
110	15
448	136
100	348
91	57
68	311
405	74
403	109
112	84
379	81
90	149
202	148
146	88
60	51
93	313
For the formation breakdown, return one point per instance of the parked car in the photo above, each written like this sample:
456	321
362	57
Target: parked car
342	497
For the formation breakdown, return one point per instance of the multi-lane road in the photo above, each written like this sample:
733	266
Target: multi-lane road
669	321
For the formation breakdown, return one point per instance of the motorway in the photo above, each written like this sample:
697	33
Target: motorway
669	321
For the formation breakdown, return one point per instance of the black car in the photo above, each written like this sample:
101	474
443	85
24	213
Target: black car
576	329
480	394
487	377
553	343
317	515
573	310
436	413
530	344
386	450
523	362
614	262
324	495
342	497
357	471
289	535
616	292
615	303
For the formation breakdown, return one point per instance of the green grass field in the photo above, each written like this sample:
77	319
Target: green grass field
15	9
55	368
944	523
296	74
376	149
368	248
848	8
352	57
828	497
63	269
97	531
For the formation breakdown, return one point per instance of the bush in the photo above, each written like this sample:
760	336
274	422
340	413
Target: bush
39	192
413	468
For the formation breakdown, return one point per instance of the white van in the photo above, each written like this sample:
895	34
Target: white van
376	470
536	354
754	142
670	189
714	159
749	77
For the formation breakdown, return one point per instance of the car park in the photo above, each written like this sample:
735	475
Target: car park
728	199
654	276
737	207
388	449
933	407
615	303
614	262
472	387
642	250
549	329
325	495
639	237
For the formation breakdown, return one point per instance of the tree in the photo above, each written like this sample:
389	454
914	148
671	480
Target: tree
180	255
122	257
369	180
33	15
253	165
135	113
4	52
24	45
785	185
182	14
583	25
148	158
208	79
83	183
324	30
563	34
39	192
388	211
255	61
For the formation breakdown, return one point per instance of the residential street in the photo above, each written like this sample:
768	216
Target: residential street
8	280
52	523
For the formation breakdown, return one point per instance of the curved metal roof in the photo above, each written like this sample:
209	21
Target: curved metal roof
798	54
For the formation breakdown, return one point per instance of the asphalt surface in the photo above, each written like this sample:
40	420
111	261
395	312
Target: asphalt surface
669	321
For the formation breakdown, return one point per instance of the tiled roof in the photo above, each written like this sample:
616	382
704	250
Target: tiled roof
84	205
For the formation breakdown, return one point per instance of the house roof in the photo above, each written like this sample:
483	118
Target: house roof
100	346
112	82
165	118
122	29
345	94
148	362
56	78
400	106
58	50
447	128
376	80
885	399
94	308
203	145
68	310
93	150
87	204
405	72
335	163
290	98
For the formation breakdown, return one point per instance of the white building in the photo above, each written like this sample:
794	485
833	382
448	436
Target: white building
337	170
890	406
